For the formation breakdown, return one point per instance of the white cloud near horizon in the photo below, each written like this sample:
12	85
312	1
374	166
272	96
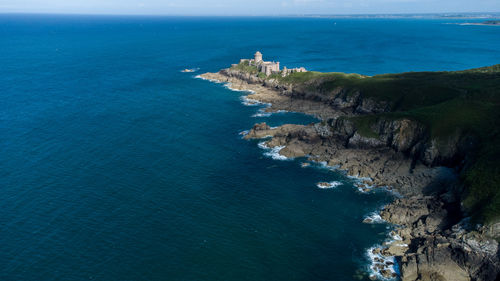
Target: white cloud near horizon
245	7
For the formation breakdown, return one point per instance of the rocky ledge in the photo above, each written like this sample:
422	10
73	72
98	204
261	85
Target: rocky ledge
430	244
432	240
379	167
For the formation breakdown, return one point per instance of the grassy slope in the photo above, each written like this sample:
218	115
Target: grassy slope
246	67
445	102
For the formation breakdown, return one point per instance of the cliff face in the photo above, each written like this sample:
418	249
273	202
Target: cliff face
439	249
362	136
245	76
403	135
408	137
433	244
342	99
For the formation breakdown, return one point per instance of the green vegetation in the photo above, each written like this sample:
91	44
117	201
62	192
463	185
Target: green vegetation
447	103
405	91
482	180
246	67
364	125
262	75
338	77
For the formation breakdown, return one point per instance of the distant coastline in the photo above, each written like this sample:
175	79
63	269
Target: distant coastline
487	23
484	16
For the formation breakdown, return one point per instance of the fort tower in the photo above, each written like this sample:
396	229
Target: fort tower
258	57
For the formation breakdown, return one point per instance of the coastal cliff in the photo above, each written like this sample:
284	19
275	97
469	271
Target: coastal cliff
404	132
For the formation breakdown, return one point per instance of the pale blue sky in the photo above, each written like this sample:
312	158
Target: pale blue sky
246	7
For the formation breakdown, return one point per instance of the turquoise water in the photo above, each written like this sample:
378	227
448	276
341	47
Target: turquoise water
114	165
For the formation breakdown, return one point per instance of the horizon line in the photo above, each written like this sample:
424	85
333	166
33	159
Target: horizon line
447	14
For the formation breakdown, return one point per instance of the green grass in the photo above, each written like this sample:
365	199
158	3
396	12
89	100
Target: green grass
482	197
262	75
364	125
404	91
309	76
246	67
465	102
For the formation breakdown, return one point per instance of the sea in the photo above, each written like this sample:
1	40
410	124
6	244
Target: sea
115	165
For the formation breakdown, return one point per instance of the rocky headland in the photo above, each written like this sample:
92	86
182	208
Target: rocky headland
435	238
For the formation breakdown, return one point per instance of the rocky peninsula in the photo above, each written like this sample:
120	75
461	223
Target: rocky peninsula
388	131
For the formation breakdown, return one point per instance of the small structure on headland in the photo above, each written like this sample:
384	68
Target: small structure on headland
268	67
287	71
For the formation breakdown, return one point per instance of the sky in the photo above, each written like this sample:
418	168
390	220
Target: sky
247	7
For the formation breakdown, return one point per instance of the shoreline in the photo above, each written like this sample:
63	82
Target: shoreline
381	267
426	242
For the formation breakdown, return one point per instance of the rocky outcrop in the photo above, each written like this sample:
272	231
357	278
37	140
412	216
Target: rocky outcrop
383	166
340	98
403	135
438	250
245	76
394	153
430	245
408	137
272	95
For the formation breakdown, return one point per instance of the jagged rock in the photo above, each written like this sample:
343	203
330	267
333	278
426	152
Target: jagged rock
322	130
432	263
408	211
358	141
400	155
492	230
386	273
396	249
367	220
376	251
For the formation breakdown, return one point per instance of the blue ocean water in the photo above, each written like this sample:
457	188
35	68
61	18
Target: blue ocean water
114	165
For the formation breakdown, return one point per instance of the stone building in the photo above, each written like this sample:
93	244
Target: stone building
268	67
258	57
287	71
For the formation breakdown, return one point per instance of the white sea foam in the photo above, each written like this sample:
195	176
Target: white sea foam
251	102
324	165
362	183
389	261
262	145
262	113
229	87
328	185
206	79
373	217
380	259
273	152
